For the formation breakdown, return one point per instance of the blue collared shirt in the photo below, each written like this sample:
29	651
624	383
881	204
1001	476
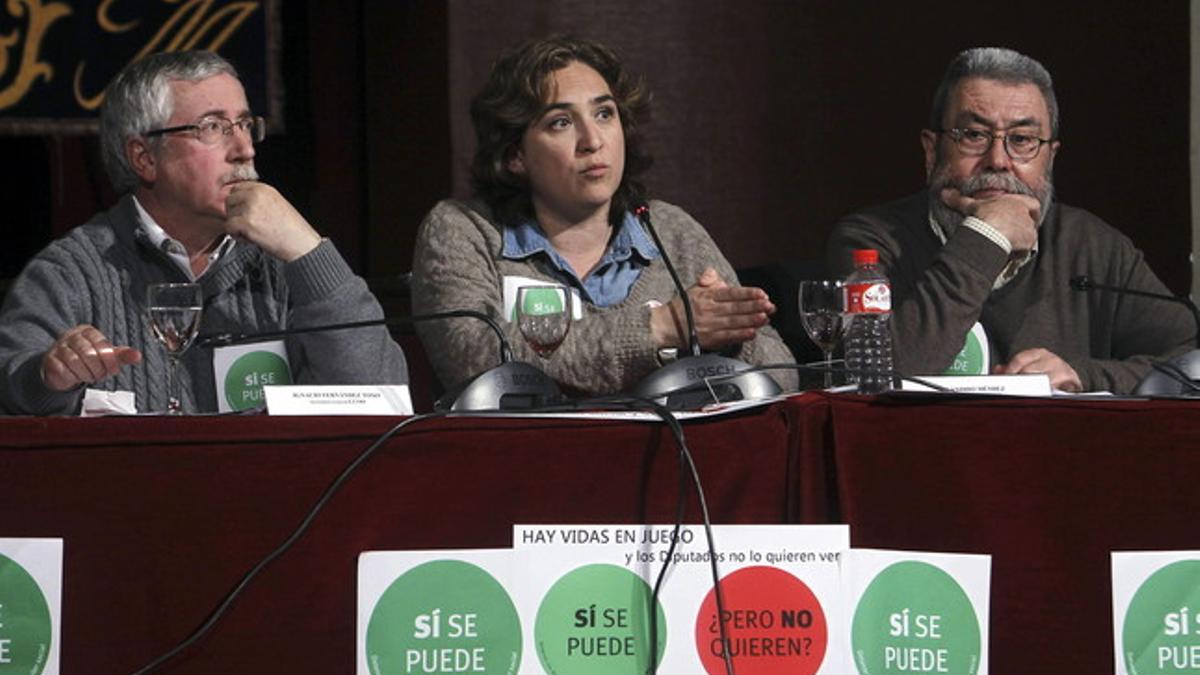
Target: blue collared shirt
628	253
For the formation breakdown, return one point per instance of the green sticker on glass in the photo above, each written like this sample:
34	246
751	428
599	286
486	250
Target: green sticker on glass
595	621
24	621
1162	627
914	617
249	374
972	360
541	301
445	616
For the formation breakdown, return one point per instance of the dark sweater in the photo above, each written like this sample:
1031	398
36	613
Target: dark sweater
940	291
98	273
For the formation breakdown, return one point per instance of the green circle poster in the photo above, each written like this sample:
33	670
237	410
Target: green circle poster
444	616
594	621
1161	632
914	617
24	621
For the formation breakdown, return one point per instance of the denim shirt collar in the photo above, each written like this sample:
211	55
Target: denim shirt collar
527	239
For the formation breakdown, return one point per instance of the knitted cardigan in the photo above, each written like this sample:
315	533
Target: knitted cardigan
457	265
98	273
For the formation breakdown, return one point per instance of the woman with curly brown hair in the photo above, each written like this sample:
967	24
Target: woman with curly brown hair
555	179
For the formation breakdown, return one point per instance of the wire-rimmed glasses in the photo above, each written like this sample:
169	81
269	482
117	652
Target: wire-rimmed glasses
1021	146
213	129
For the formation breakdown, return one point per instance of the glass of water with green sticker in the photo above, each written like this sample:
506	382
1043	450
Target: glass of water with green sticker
174	319
544	317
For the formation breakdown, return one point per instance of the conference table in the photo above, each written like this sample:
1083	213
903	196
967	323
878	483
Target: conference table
161	516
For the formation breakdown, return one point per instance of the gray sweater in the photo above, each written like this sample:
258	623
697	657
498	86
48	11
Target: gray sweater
939	292
98	273
457	265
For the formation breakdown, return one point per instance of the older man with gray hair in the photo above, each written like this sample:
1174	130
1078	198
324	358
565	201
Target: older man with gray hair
987	244
179	143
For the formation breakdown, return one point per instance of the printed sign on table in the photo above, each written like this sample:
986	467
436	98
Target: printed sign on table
241	372
591	588
1156	612
30	606
973	359
916	612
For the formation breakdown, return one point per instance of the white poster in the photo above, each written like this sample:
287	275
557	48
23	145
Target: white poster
585	593
30	605
437	612
1156	612
910	612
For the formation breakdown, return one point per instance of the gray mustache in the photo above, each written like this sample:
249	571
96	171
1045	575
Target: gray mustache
241	172
994	181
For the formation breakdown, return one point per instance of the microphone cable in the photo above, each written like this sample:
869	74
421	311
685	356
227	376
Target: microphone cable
687	465
313	511
812	367
1176	373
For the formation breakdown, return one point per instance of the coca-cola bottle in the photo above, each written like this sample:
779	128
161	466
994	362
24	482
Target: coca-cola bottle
869	336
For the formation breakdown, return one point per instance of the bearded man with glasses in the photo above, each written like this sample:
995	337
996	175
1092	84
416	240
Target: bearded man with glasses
987	243
179	140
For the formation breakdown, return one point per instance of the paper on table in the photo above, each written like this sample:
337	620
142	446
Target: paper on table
97	402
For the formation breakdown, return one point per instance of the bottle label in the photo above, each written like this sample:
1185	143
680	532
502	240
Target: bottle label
868	297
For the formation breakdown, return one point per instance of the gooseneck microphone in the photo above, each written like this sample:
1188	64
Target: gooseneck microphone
1083	283
1175	377
511	385
699	379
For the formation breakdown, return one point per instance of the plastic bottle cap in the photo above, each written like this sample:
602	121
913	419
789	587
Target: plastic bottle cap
866	256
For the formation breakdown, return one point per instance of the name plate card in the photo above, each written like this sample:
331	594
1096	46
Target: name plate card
30	605
1156	612
916	612
1000	385
339	400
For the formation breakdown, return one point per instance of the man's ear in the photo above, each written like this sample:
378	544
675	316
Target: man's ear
929	141
1055	146
141	159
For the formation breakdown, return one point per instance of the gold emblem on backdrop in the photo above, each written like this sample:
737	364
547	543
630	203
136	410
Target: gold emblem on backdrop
28	67
56	57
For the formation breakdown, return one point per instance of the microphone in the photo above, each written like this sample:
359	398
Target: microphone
1175	377
511	385
699	379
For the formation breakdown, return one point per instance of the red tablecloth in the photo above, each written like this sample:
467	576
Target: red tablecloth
1049	488
162	516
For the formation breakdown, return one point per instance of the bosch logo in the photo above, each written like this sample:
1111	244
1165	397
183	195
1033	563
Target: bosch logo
710	371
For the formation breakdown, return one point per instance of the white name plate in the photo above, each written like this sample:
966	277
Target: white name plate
1002	385
339	400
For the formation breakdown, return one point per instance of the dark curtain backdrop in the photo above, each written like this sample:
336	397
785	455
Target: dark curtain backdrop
770	119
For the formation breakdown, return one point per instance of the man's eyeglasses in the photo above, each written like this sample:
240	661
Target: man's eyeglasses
1021	147
213	130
